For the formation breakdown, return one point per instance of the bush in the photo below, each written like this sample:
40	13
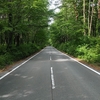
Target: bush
5	60
98	58
16	53
2	49
2	61
87	53
88	49
62	47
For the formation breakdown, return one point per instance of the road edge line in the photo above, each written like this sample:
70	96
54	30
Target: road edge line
19	65
82	64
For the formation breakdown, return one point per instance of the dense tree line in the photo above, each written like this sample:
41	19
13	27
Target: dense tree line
23	28
76	29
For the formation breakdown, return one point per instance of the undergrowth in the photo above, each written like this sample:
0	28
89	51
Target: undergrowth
8	56
87	49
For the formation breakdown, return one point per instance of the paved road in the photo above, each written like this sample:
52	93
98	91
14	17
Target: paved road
50	75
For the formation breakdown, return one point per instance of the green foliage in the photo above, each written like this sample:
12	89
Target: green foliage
87	53
23	28
62	47
70	31
5	59
89	50
21	20
17	53
2	49
23	51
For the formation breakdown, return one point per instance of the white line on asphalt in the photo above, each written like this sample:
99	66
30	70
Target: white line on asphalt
52	78
82	64
19	65
50	58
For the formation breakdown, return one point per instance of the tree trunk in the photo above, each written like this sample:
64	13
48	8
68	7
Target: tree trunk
10	20
91	19
84	17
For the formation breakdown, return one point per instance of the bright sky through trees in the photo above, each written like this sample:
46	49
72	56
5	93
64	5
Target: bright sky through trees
53	4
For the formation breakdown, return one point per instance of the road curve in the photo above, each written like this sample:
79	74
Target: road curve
50	75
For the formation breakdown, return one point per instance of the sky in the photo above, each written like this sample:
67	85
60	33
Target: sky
54	4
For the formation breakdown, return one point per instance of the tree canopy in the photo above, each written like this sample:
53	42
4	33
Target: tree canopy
25	29
76	29
21	20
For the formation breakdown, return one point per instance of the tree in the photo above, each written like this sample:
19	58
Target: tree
76	29
20	20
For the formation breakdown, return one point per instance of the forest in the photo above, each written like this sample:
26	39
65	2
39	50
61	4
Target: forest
25	29
76	29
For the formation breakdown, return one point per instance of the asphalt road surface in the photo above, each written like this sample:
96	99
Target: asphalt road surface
50	75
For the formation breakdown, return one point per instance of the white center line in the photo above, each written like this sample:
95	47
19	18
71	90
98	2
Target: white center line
50	58
52	78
